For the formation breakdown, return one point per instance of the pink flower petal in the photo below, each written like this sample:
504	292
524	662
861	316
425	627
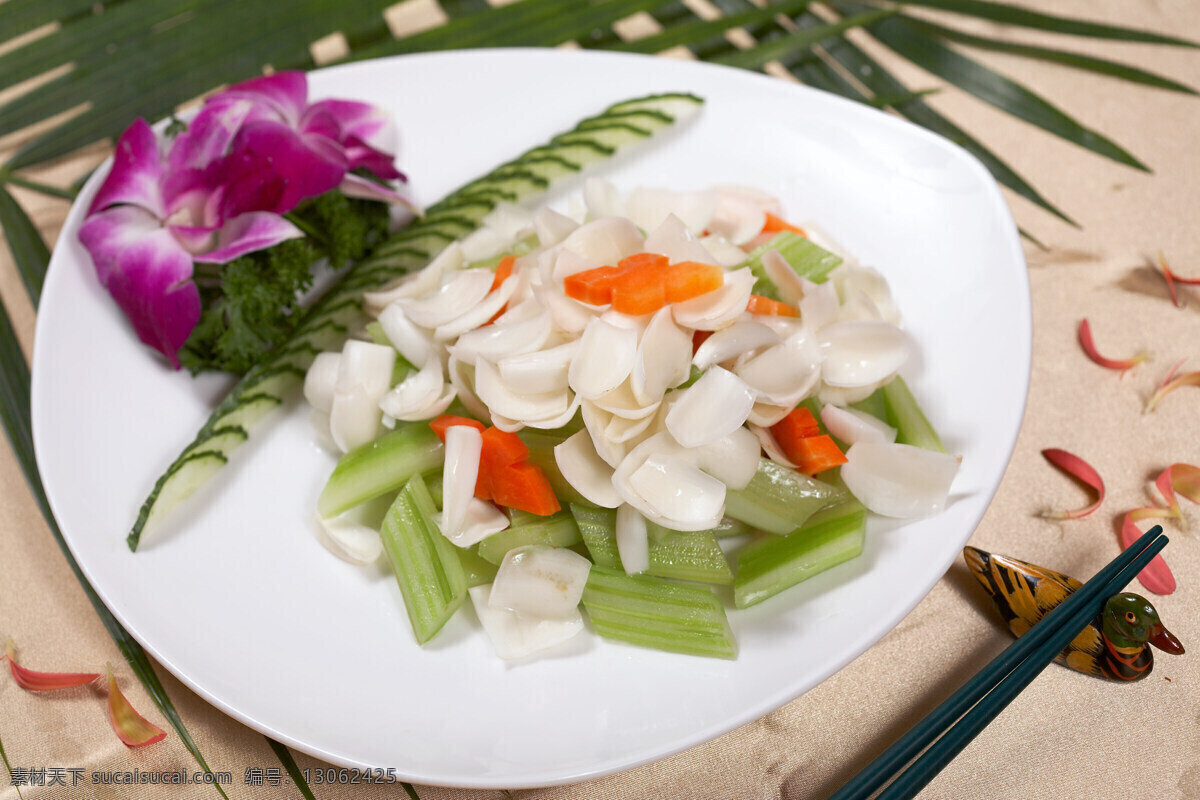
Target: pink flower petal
35	681
151	282
1081	471
285	92
210	133
107	233
1157	575
136	172
256	230
130	726
357	186
370	125
272	168
1089	347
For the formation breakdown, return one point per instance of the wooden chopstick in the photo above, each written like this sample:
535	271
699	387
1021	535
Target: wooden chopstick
969	710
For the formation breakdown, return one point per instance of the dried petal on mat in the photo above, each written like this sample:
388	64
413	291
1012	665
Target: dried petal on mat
36	681
129	725
1171	384
1089	347
1156	576
1081	471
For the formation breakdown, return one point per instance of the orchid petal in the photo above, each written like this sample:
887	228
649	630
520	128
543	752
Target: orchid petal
1081	471
34	681
149	277
246	233
210	133
1089	347
285	92
272	168
1156	576
357	186
131	727
136	173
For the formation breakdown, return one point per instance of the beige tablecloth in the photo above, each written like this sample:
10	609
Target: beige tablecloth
1067	736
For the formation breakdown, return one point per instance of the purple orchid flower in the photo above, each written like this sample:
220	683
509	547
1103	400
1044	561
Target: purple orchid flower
145	231
252	153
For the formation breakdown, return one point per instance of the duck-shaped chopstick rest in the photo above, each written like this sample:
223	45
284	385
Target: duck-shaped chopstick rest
1114	646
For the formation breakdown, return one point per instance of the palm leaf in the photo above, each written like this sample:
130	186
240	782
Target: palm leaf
1101	66
8	768
28	248
1025	18
1004	93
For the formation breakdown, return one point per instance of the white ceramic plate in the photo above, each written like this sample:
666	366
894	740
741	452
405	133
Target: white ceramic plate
237	598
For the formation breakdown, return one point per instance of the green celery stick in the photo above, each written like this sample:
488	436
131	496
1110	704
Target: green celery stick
426	564
478	570
685	555
830	536
556	530
905	415
657	613
805	258
779	500
380	466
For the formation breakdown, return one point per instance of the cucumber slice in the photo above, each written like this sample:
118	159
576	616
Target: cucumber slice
689	556
426	565
653	612
676	105
830	537
556	530
186	475
779	500
380	466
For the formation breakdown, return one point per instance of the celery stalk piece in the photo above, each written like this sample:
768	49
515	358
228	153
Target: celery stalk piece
779	500
427	566
556	530
541	446
685	555
805	258
380	466
830	536
477	570
873	405
657	613
905	415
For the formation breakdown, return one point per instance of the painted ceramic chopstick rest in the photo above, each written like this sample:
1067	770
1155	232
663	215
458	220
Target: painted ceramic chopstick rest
1115	646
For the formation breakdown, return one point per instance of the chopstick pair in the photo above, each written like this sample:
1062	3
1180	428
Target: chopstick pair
970	709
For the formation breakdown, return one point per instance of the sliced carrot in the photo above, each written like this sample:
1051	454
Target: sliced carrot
699	338
594	286
439	424
643	261
816	454
503	270
525	487
689	279
788	432
768	307
502	449
774	225
639	290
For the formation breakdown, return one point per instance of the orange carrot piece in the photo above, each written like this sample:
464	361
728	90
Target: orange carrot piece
641	290
689	279
774	225
643	261
502	449
768	307
699	338
788	432
593	286
503	271
439	424
816	454
525	487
